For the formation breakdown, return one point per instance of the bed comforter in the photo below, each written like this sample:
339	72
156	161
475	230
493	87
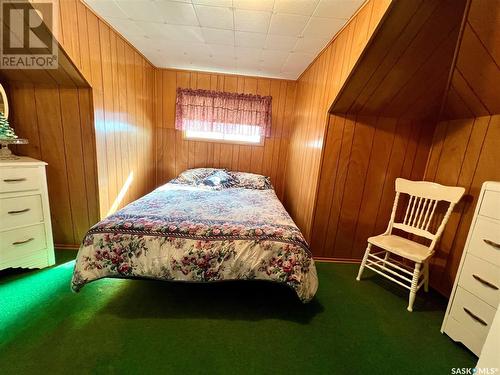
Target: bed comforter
188	233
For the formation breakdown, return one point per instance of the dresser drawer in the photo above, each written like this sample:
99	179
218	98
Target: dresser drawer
482	279
21	242
459	333
490	206
18	211
474	315
485	240
19	179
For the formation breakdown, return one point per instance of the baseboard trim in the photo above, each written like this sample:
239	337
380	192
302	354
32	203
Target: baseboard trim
337	260
66	246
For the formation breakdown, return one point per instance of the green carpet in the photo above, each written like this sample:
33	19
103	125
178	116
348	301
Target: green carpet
151	327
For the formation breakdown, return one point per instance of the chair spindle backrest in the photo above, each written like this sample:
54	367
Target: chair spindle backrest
423	200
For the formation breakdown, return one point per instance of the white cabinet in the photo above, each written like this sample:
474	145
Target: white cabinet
476	292
25	228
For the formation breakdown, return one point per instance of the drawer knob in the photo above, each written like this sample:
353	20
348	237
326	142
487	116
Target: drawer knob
18	211
491	243
475	317
21	242
14	180
484	282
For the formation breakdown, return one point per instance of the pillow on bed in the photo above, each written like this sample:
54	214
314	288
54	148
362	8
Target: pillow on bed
219	179
194	176
251	181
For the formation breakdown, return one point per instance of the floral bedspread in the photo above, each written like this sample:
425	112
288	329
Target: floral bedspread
188	233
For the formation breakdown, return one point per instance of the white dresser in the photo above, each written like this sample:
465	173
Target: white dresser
476	292
25	228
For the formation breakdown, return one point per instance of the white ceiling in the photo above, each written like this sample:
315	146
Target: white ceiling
268	38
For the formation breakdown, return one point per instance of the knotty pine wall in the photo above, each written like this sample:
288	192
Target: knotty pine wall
175	154
466	145
316	89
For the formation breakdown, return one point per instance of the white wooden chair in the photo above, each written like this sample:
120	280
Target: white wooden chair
423	199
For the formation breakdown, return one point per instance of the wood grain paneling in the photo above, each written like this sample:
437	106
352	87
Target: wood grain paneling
122	84
465	152
60	132
466	145
476	76
316	89
175	154
98	141
404	70
363	157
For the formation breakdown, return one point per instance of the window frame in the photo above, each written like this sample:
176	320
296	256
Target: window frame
225	141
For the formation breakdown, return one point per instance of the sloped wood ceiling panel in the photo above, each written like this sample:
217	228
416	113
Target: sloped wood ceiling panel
175	154
476	77
404	71
316	89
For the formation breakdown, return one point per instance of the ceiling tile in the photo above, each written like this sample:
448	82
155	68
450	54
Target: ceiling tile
106	8
222	53
218	36
301	7
311	45
125	27
297	62
141	10
248	54
250	20
273	59
280	42
254	4
177	13
274	38
245	39
176	33
337	8
215	3
323	27
217	17
287	24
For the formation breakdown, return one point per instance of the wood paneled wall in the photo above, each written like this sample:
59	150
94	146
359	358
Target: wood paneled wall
383	128
175	154
475	79
466	144
465	152
98	141
122	82
58	123
363	157
316	89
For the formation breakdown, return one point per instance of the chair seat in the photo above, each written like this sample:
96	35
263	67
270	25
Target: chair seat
401	246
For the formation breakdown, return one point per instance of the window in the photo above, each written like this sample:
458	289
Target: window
223	117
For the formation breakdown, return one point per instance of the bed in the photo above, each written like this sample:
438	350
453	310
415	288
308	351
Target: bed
207	225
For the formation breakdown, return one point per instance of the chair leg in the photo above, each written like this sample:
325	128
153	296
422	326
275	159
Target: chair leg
386	257
414	285
426	276
363	262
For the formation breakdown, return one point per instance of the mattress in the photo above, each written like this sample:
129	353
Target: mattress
182	232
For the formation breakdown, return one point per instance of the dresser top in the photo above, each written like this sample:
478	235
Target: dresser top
23	161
